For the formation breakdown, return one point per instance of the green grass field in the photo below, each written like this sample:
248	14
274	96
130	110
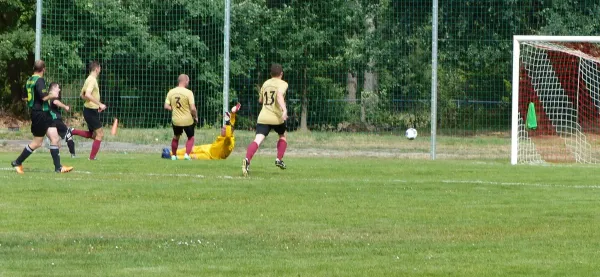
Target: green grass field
138	215
338	144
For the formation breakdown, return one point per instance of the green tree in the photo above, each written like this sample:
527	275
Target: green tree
17	37
143	45
270	31
475	58
569	17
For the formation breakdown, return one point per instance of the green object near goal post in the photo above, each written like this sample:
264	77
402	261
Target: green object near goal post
531	117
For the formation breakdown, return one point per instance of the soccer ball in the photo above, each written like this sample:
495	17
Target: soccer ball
411	133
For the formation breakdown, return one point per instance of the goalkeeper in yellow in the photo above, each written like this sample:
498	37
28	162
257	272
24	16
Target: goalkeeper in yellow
220	149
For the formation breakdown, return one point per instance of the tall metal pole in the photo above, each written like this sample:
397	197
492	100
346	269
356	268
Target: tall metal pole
38	29
226	29
434	81
514	136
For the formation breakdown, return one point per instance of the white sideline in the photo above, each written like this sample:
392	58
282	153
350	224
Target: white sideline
12	169
131	173
479	182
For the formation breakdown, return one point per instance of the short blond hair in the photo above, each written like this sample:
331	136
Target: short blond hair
39	66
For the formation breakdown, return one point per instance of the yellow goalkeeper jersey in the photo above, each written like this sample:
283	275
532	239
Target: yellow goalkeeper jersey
220	149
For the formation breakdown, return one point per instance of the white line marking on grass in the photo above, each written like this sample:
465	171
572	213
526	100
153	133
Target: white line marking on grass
75	171
165	175
479	182
41	178
42	171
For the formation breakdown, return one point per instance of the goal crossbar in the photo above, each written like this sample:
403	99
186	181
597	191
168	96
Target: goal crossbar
517	41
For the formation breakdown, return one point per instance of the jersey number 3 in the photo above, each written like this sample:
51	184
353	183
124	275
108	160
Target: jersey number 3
178	102
272	98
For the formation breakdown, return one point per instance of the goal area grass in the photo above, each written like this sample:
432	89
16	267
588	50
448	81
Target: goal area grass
138	215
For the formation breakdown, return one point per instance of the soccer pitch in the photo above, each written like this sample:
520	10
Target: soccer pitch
139	215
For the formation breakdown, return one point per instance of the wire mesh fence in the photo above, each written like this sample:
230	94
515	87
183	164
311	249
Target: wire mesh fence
352	66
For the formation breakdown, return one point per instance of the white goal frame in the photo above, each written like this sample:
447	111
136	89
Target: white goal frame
515	80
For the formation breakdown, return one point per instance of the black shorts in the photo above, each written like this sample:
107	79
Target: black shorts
92	118
189	130
40	122
60	126
265	129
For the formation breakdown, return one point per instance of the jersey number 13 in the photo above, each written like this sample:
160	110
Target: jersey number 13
269	100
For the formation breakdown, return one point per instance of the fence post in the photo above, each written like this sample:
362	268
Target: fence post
226	30
434	81
38	29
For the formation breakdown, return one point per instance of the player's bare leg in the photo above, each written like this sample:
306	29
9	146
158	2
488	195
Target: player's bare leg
189	146
252	148
174	146
98	135
52	134
281	147
35	144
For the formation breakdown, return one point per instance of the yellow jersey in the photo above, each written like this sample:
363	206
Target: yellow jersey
92	82
271	111
220	149
181	99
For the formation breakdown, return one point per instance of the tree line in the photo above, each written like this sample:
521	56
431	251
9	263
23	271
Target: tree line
351	65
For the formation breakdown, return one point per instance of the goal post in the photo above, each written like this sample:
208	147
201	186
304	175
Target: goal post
557	79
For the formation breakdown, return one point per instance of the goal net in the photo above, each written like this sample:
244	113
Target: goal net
556	100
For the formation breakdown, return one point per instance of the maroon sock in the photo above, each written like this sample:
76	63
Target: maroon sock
252	148
281	146
189	145
174	145
82	133
95	148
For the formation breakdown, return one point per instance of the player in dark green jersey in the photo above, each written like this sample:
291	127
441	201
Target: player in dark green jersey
41	119
56	105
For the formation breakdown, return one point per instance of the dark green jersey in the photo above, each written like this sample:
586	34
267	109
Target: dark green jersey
55	111
36	91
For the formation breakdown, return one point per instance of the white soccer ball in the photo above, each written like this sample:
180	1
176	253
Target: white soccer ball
411	133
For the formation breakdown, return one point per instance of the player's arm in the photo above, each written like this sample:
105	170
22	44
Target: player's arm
260	96
48	97
40	87
281	102
193	109
88	96
168	104
60	105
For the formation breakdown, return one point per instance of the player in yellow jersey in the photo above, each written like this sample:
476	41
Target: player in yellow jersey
180	101
90	92
220	149
272	117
